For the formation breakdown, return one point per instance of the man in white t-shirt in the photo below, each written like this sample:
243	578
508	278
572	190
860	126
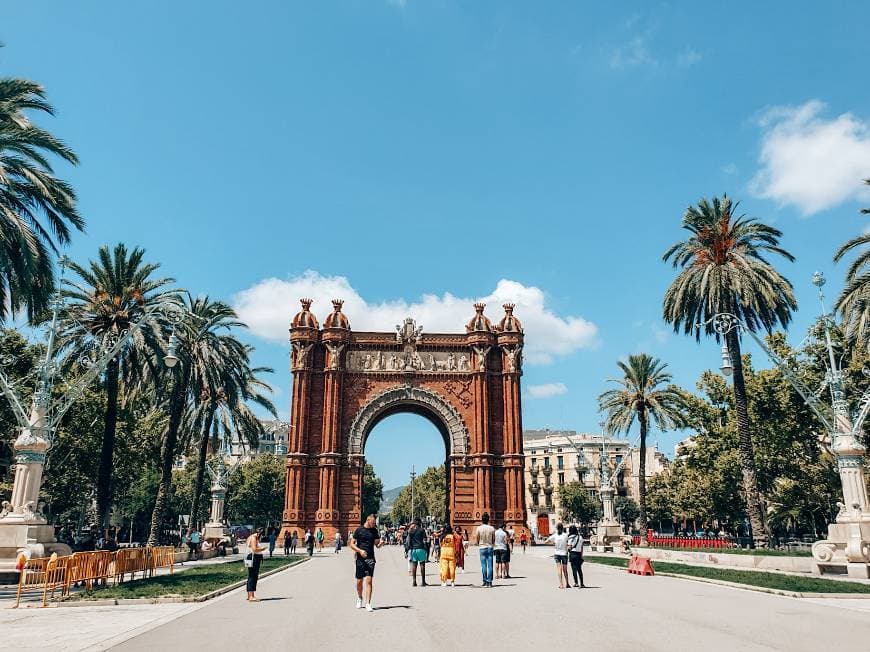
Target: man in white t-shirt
484	535
560	543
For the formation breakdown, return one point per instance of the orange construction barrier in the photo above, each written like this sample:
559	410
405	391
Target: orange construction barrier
132	561
42	573
640	566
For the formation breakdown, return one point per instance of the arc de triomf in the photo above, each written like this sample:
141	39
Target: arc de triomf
345	382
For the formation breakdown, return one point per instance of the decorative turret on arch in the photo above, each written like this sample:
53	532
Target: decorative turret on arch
409	398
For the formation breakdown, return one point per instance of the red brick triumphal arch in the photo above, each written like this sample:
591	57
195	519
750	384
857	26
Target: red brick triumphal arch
345	382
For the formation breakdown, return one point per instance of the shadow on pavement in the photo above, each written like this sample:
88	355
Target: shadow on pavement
394	606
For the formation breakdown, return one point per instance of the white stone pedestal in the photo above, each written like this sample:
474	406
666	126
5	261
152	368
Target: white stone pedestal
847	548
22	527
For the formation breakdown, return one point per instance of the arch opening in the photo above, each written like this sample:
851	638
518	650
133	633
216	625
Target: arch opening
402	441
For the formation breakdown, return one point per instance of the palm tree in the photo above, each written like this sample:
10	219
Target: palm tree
110	294
723	270
645	394
222	411
206	349
854	301
37	210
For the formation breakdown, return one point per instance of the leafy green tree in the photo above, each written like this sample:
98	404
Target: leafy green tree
577	504
430	496
723	270
110	294
256	492
627	510
645	394
372	492
37	210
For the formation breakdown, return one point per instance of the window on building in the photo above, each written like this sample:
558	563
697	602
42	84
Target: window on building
560	461
546	462
534	462
618	459
561	478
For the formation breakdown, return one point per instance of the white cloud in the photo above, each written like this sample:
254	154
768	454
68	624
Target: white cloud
547	390
268	306
811	162
688	57
634	53
730	168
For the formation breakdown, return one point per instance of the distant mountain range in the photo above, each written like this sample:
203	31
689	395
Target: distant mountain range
390	496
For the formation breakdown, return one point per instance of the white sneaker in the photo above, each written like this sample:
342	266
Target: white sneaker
369	606
443	583
359	604
452	583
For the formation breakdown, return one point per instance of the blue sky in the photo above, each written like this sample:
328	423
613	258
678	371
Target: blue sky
400	150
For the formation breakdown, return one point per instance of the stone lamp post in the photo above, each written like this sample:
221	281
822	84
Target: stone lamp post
847	546
216	529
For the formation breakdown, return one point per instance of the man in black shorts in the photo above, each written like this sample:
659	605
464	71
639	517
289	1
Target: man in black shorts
363	542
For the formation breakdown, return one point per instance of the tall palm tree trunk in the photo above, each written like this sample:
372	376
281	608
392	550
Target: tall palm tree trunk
107	451
200	464
167	455
747	457
641	476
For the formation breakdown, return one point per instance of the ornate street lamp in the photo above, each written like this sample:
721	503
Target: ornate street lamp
848	542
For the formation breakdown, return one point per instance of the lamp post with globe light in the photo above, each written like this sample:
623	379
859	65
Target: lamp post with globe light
847	546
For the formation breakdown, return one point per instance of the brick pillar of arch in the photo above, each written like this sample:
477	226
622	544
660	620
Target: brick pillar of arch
329	457
303	342
511	346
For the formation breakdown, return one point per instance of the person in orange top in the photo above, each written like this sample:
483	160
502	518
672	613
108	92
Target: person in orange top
448	557
459	549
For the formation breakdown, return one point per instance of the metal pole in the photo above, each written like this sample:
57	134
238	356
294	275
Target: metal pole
413	475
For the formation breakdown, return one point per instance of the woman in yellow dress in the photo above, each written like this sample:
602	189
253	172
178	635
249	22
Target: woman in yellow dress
448	557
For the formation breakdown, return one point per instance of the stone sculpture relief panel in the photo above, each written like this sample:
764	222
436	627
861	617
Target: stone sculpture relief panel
398	361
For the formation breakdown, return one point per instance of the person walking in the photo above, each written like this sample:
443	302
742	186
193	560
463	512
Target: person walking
447	557
294	541
484	536
252	560
560	553
499	550
575	555
363	542
273	539
337	542
319	540
459	549
417	553
309	542
436	545
524	541
288	540
195	539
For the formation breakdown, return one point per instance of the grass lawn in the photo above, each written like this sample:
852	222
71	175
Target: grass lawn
740	551
192	582
750	578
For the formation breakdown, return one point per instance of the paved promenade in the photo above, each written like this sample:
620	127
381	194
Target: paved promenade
312	607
